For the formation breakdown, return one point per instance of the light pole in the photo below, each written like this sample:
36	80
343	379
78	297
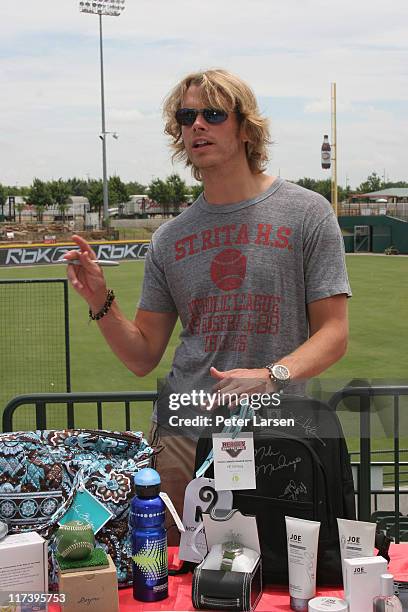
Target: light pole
113	8
329	151
334	190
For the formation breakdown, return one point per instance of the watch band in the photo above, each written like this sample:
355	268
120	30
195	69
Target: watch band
230	550
227	561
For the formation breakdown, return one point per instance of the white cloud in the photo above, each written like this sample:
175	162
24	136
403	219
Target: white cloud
324	105
49	78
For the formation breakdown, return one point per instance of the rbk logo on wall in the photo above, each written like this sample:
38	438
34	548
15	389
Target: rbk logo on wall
23	256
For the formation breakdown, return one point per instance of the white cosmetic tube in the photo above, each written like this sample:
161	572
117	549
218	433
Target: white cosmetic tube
303	539
357	539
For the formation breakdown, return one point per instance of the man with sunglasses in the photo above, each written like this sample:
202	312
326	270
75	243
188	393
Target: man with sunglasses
254	269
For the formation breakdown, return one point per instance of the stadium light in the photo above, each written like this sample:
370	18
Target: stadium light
114	135
111	8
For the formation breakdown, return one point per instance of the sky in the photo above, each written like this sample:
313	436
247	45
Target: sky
289	52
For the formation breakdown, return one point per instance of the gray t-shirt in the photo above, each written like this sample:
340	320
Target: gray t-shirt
240	277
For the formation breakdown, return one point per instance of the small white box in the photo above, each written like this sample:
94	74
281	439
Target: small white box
23	564
363	581
94	590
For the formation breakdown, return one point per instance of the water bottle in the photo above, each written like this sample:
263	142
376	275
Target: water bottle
149	538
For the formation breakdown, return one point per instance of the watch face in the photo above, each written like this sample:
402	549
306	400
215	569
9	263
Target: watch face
280	372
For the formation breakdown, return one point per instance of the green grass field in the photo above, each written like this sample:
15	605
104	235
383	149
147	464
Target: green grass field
377	345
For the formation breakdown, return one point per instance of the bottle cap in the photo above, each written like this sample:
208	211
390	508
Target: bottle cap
387	585
147	483
147	477
328	604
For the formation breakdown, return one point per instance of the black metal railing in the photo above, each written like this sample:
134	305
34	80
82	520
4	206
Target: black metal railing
129	400
42	401
365	396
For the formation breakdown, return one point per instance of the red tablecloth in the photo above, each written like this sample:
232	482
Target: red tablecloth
274	599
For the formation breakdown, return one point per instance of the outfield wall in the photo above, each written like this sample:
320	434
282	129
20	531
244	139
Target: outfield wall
385	231
45	254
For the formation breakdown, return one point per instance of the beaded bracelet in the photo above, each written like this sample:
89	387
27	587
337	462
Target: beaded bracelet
110	296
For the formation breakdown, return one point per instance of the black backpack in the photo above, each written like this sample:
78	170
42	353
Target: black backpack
302	471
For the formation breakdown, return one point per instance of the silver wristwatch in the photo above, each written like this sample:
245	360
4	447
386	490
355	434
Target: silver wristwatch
279	375
230	550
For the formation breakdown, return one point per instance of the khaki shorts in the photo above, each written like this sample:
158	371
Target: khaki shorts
175	464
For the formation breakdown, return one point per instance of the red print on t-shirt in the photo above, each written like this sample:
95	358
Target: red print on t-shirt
228	321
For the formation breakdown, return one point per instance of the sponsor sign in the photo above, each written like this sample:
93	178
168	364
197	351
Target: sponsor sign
43	254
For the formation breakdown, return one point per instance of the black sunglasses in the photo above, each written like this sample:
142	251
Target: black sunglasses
187	116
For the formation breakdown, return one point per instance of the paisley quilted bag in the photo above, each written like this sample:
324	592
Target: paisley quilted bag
41	471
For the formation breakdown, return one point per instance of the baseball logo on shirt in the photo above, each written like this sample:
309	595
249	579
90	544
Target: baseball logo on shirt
228	269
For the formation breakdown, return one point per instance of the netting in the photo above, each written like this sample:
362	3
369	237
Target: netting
33	338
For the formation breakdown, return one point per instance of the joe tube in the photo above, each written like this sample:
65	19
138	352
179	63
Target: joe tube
303	539
357	539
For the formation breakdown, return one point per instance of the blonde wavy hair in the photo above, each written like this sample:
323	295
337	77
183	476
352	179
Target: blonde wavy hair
222	90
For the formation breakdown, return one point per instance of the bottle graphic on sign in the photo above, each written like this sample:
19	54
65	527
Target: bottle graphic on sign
326	153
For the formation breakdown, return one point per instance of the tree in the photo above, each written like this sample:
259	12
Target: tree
177	190
195	190
20	207
159	191
307	183
373	183
60	193
135	188
396	184
77	186
323	186
344	193
40	197
118	192
171	192
16	191
3	197
95	195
